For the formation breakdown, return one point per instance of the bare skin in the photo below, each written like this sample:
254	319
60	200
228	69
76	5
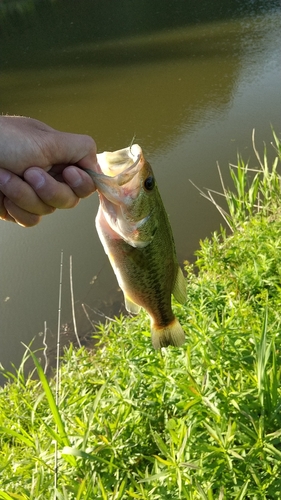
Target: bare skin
39	169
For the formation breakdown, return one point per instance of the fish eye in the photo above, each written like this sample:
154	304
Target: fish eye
149	183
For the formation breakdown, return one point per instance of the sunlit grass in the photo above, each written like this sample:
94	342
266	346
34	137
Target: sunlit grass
198	422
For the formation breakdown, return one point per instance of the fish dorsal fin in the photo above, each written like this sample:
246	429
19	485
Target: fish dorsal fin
179	290
131	306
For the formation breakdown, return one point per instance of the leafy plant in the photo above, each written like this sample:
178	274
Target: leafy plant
256	190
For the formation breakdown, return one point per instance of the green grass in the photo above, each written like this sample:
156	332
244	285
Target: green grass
198	422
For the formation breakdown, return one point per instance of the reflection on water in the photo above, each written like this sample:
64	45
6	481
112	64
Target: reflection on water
192	96
152	86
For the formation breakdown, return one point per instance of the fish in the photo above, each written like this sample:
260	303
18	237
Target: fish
136	234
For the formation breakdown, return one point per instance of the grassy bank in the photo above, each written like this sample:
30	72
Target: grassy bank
198	422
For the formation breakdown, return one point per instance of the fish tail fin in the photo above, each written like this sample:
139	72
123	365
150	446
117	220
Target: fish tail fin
171	334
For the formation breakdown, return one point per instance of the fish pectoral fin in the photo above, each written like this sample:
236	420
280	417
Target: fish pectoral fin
171	334
179	290
131	306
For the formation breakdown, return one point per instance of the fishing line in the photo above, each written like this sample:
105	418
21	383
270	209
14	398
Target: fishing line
45	348
132	142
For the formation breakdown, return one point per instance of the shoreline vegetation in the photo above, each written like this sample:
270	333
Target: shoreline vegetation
198	422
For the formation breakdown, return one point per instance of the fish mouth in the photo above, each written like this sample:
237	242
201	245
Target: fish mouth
112	164
117	170
120	187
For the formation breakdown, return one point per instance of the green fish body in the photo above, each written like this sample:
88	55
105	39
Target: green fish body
135	232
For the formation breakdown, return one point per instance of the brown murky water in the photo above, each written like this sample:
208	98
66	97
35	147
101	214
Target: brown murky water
190	93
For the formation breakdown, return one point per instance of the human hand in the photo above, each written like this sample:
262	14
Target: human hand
39	169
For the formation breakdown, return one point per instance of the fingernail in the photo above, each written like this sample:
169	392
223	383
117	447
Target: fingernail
74	179
5	176
35	178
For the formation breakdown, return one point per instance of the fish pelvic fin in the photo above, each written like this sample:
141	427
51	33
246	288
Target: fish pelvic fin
179	290
131	306
171	334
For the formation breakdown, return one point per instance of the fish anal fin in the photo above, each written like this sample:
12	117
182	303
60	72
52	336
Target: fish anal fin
171	334
179	290
131	306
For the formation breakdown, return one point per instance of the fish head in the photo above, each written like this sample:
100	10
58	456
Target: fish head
128	195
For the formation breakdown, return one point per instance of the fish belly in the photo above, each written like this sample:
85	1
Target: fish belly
145	275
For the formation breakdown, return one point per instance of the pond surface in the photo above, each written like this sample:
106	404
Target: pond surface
191	93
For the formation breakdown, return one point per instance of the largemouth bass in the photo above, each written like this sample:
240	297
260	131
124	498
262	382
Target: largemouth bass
135	232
